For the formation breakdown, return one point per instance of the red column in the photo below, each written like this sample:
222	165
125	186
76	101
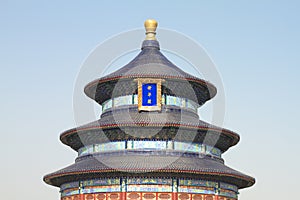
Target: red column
122	195
81	196
174	196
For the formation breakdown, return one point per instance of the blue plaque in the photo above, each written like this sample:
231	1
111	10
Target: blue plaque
149	94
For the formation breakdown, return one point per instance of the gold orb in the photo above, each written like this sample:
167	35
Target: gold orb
150	24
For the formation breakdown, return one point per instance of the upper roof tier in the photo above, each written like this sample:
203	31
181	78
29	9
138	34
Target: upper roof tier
150	63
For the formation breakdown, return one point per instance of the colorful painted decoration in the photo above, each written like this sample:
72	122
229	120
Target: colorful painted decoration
165	100
156	145
145	185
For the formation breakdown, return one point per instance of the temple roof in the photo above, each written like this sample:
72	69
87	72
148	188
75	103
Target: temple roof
170	122
193	128
150	63
143	164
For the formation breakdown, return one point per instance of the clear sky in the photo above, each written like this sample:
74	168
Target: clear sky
255	45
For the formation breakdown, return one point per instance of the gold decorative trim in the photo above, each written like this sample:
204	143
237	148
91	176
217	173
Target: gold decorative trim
150	26
158	82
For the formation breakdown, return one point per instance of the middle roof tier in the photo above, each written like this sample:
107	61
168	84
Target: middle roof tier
172	123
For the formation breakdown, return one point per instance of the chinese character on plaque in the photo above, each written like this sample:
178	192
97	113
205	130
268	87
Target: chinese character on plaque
149	94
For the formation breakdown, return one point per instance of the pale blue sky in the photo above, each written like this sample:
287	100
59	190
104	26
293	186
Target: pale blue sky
255	45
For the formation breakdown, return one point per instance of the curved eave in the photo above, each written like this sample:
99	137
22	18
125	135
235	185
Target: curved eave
91	88
235	137
190	167
49	178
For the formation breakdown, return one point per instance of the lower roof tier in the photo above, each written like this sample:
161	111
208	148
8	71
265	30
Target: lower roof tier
133	165
170	124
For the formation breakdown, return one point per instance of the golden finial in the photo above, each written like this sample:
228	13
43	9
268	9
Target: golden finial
150	26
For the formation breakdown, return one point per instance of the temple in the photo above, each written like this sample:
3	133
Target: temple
149	143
